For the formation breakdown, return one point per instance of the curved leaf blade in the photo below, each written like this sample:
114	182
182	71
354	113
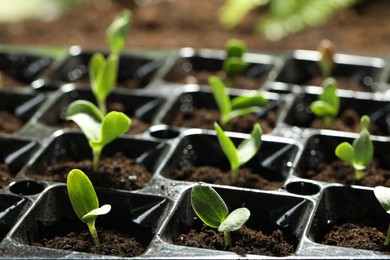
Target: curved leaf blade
345	152
383	196
235	220
227	147
92	215
242	102
220	96
249	147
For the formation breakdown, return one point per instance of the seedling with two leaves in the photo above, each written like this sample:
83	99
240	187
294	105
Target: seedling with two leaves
84	201
243	153
328	104
238	106
234	64
382	194
103	72
100	130
359	155
212	210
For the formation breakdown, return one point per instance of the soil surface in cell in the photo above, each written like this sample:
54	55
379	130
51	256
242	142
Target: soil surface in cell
244	241
9	123
5	176
205	118
117	172
128	83
356	236
112	243
246	177
340	172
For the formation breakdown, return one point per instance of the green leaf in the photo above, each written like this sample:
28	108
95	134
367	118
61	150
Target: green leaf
81	193
249	147
322	109
345	152
87	116
329	94
248	101
106	78
383	196
235	48
113	125
208	205
235	220
234	66
96	64
227	147
363	150
92	215
219	92
118	30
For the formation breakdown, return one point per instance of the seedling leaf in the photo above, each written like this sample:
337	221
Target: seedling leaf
228	148
249	147
96	212
383	196
345	152
235	220
118	30
220	95
248	101
208	205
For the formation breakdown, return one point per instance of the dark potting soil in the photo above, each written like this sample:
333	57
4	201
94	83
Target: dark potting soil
356	236
342	83
112	242
117	172
340	172
205	118
244	241
347	121
209	174
5	177
7	81
201	77
128	83
9	123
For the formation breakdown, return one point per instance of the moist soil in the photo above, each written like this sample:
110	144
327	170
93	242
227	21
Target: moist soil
356	236
112	243
204	118
5	176
340	172
9	123
347	121
209	174
244	241
117	172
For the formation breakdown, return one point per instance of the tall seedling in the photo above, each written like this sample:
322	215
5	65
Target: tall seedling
103	72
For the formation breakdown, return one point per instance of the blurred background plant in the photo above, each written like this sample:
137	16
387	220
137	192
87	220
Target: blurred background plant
282	18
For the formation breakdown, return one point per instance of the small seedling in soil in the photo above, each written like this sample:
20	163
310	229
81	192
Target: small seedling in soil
326	61
99	129
382	194
243	153
359	155
328	104
234	64
212	210
84	201
238	106
103	72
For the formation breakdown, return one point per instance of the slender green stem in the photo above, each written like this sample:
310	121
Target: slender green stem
328	120
387	240
228	240
92	230
102	106
358	175
234	176
97	151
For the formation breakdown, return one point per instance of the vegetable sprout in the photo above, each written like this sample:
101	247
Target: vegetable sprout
234	64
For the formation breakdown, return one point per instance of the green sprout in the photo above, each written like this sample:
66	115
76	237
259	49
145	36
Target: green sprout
212	210
84	201
238	106
382	194
103	72
99	129
243	153
359	155
234	64
328	104
326	61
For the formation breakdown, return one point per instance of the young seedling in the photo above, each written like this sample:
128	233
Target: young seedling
359	155
103	72
326	61
238	106
243	153
100	130
328	104
382	194
212	210
84	201
234	64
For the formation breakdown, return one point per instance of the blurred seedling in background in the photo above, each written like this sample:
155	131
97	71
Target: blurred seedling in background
382	194
212	210
234	63
103	72
84	201
98	129
243	153
238	106
326	62
328	104
360	154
